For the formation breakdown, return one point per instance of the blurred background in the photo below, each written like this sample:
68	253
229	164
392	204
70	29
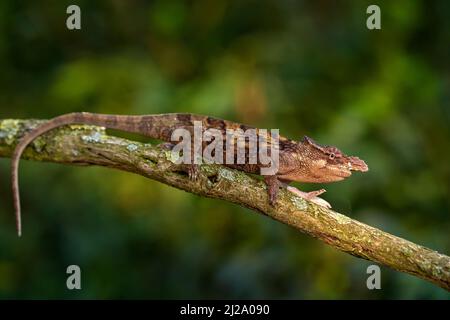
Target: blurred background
305	67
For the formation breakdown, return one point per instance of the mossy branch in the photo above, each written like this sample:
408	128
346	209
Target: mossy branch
92	146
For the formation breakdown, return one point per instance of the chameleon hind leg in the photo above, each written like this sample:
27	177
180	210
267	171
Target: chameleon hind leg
193	170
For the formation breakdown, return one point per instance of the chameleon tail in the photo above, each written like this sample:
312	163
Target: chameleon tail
125	123
27	139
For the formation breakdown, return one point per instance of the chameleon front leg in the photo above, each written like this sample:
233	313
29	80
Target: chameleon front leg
307	195
273	186
311	196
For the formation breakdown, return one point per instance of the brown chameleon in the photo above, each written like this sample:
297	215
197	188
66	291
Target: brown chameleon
302	161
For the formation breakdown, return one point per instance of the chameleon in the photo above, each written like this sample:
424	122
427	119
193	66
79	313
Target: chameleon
300	161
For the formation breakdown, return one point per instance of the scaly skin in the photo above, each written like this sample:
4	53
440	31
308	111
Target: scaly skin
303	161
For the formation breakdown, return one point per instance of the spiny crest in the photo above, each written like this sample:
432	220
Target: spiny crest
330	151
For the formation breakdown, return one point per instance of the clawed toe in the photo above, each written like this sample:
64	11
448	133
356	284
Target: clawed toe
193	172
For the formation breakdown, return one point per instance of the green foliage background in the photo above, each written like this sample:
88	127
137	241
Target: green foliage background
305	67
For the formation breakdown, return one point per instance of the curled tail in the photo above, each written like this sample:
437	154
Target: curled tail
155	126
71	118
158	126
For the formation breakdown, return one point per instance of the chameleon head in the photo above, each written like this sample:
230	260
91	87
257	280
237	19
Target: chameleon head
321	164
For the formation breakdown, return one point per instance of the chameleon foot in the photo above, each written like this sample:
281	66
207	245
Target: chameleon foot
311	196
193	172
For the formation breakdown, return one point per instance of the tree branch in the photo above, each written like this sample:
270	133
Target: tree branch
91	146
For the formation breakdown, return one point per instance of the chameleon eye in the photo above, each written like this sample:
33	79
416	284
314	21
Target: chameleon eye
331	156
